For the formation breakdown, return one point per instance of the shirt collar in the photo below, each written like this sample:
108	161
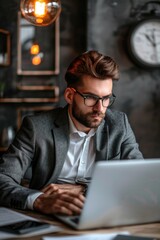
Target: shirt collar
73	129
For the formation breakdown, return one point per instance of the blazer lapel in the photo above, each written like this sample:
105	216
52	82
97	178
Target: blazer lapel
60	133
101	142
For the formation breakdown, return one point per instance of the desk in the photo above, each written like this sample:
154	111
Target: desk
147	230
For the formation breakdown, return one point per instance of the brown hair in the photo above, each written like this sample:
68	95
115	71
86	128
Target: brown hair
91	63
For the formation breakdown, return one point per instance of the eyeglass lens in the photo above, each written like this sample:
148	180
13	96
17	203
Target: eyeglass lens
91	101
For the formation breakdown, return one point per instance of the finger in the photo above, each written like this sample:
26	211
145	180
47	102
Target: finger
65	207
72	189
82	198
62	210
73	208
66	186
72	199
79	196
50	189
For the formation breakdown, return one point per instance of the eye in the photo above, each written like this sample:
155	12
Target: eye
107	97
90	97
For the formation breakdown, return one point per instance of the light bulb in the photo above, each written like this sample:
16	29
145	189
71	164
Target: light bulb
36	60
40	12
34	49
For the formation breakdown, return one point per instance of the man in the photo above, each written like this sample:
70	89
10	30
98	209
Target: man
61	146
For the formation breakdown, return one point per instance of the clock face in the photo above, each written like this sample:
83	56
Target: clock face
144	43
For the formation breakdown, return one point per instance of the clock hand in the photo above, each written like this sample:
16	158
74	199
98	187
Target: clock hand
153	36
151	40
156	43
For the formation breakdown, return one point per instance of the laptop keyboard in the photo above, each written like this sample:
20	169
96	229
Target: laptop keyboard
75	219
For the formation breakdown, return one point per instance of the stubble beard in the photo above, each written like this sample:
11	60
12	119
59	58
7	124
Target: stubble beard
87	119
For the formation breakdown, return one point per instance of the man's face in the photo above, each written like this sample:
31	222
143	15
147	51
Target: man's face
87	117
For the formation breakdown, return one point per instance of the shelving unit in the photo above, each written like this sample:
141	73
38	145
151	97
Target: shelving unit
20	93
54	99
23	106
3	149
29	100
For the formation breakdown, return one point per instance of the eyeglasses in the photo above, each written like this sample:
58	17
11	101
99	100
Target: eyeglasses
92	100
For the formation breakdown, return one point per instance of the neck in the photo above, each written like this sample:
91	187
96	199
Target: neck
78	125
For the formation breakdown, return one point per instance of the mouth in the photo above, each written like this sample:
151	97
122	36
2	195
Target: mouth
97	115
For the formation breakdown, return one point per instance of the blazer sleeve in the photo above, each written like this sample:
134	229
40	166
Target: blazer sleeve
122	142
13	166
129	147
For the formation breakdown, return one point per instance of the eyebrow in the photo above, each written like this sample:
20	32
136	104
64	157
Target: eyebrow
94	95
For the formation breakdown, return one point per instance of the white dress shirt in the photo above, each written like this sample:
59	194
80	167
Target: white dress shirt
80	156
79	159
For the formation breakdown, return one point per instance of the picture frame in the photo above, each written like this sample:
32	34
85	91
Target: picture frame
5	47
38	48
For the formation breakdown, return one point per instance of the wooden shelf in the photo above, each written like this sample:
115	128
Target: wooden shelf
3	149
29	100
35	88
39	88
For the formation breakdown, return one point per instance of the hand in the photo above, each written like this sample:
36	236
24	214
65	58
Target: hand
72	188
60	198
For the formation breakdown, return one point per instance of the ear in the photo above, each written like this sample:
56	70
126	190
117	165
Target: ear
68	95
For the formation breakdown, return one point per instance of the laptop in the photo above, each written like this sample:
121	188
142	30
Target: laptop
120	193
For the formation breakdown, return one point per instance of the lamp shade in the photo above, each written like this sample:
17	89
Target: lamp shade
40	12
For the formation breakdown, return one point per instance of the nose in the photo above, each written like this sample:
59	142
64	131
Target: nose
99	107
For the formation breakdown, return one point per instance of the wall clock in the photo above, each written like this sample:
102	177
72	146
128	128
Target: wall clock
144	43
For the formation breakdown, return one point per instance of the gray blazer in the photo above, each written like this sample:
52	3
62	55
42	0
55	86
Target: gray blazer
42	144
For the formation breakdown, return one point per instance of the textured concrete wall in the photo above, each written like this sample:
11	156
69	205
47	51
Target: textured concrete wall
138	90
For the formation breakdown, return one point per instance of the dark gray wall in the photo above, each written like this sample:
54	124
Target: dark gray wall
104	29
138	90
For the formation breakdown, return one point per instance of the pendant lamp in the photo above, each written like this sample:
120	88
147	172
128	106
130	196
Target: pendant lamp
40	12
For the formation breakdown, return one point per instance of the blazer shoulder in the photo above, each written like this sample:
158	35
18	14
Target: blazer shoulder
116	119
47	117
114	115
